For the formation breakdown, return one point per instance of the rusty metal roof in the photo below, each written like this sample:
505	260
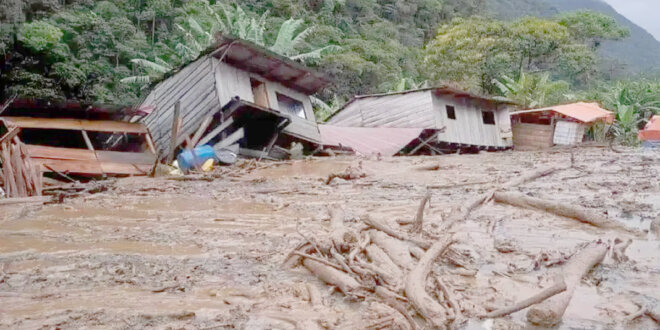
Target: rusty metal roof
257	59
651	131
385	141
580	111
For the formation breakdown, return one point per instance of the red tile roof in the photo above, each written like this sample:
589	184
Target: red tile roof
386	141
580	111
651	131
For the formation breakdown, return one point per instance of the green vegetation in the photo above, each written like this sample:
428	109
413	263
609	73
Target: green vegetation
108	51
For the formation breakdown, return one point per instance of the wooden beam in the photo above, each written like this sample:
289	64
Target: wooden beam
423	143
88	142
174	134
216	131
150	143
231	139
13	131
202	128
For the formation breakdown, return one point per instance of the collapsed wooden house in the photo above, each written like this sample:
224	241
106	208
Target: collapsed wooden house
556	125
238	94
461	120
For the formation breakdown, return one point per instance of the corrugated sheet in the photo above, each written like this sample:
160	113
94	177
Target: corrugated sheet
369	140
581	111
651	131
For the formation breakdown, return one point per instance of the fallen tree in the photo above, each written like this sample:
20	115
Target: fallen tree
551	311
558	287
559	208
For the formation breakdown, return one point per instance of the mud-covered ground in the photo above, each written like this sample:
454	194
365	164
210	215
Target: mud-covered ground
158	253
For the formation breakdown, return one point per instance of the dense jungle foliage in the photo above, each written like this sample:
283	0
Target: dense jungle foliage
109	51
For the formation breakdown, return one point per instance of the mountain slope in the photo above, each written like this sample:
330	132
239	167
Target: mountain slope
638	53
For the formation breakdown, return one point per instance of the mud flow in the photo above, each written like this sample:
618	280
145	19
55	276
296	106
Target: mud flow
278	247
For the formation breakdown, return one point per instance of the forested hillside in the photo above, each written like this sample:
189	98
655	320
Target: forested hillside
111	51
640	52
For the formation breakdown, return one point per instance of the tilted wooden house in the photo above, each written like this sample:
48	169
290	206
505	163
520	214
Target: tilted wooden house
463	120
260	92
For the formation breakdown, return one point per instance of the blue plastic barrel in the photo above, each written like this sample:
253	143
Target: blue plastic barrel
192	158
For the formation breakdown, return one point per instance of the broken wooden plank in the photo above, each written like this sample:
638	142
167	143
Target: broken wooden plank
108	126
223	126
231	139
25	200
174	134
88	142
200	131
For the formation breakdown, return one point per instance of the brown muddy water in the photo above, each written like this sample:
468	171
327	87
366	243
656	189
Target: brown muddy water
157	253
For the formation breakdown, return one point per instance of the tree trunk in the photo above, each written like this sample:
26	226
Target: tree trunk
551	311
415	288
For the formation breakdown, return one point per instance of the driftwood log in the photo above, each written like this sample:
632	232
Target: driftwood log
551	311
562	209
415	287
558	287
397	250
332	276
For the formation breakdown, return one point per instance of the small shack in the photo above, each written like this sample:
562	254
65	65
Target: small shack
461	120
557	125
650	135
236	94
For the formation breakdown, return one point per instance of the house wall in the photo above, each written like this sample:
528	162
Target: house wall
195	87
532	136
409	110
235	82
468	127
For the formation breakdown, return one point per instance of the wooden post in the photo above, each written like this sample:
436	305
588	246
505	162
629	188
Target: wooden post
88	142
174	136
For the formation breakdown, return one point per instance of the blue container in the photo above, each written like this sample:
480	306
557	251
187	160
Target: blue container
193	158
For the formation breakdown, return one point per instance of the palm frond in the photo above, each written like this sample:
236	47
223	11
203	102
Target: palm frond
155	67
136	80
284	41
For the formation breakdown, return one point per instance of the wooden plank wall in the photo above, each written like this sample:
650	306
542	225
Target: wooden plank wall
468	127
195	87
234	82
532	136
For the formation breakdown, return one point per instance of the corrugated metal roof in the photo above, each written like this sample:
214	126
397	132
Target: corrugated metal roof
369	140
581	111
651	131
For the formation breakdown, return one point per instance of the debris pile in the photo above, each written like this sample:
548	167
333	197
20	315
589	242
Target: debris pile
393	265
19	176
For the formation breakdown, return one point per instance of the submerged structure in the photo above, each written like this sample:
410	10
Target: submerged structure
460	120
557	125
237	95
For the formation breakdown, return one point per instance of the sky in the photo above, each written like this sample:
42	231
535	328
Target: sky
645	13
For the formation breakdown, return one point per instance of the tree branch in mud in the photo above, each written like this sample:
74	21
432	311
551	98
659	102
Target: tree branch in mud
418	222
415	287
347	284
558	208
389	231
391	300
551	311
558	287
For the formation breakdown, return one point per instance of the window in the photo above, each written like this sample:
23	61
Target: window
290	105
488	117
451	112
